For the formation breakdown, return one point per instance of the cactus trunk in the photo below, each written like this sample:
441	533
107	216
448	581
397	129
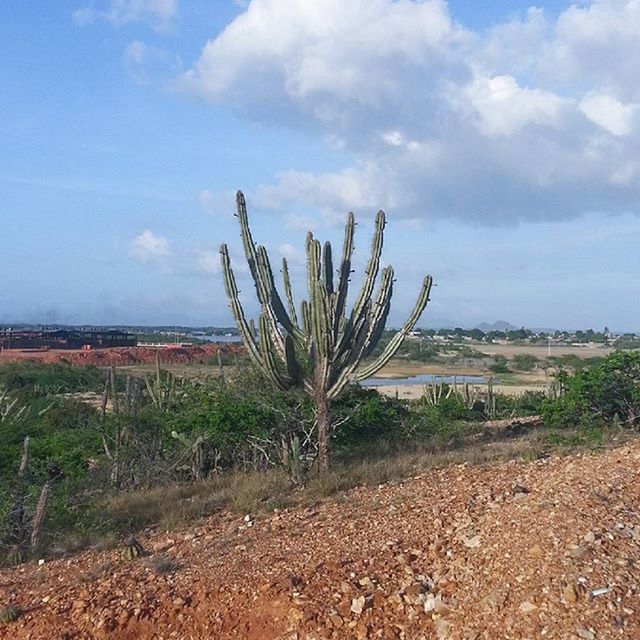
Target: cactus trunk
323	424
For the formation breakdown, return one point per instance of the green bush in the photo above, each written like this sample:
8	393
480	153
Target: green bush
38	378
525	362
608	391
499	365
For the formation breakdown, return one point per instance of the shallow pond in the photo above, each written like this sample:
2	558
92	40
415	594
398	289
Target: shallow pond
423	378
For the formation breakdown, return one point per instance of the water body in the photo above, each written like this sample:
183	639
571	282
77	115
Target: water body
423	378
235	339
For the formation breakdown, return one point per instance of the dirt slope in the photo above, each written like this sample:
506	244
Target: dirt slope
512	551
122	356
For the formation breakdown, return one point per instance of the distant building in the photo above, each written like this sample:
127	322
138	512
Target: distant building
66	339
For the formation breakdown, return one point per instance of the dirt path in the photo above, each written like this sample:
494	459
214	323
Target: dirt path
519	550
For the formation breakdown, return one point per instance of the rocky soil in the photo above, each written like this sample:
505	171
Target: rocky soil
548	549
123	356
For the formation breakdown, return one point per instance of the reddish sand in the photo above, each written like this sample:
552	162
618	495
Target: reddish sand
122	356
517	551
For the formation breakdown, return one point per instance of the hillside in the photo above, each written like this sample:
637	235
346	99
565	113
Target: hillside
516	550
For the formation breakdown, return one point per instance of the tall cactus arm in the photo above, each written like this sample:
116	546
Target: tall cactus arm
345	274
294	371
320	319
289	294
380	311
250	249
371	272
267	351
313	264
396	341
327	267
274	297
261	273
305	313
269	307
236	307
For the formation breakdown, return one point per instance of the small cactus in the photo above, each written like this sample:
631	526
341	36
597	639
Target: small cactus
15	556
9	614
132	549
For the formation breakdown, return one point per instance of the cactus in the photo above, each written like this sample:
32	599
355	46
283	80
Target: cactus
38	518
323	348
196	450
10	614
15	556
132	549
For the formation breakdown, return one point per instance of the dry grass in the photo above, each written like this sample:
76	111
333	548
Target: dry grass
167	506
162	565
173	507
93	574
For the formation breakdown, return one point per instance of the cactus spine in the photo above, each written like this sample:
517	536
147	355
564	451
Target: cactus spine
323	349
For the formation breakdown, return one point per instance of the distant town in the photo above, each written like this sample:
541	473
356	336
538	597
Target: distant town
25	336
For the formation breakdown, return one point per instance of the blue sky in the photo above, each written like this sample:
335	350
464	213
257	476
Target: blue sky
501	139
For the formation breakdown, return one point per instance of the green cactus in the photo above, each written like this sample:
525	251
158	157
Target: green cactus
9	614
132	549
324	348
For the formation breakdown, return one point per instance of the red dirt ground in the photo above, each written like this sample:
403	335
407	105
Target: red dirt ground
122	356
546	549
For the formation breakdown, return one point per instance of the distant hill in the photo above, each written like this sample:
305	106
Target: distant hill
499	325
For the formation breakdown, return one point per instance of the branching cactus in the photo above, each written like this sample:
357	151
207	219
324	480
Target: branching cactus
324	347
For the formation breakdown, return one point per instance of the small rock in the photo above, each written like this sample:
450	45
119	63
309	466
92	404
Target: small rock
443	629
472	543
527	607
570	594
357	605
336	620
577	552
590	536
585	634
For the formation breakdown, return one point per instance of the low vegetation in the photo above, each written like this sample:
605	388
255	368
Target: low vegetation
163	450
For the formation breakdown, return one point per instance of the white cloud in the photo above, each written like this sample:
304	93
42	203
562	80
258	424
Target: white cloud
508	124
159	14
609	113
502	107
148	247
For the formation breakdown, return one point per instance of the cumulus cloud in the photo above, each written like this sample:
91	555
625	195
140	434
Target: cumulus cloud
149	247
615	117
159	14
501	107
532	119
